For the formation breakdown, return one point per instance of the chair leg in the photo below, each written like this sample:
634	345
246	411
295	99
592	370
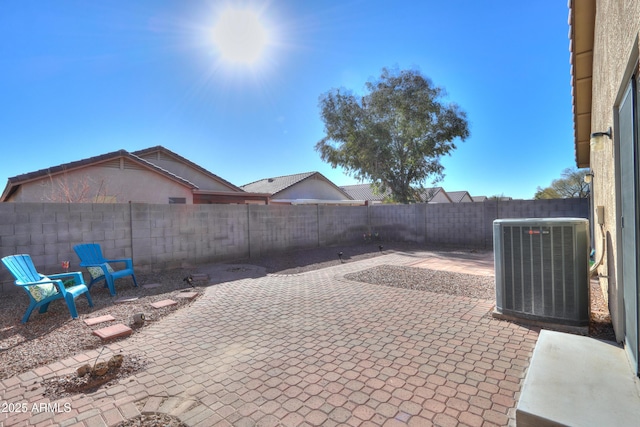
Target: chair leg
88	295
27	314
44	307
71	304
135	283
111	285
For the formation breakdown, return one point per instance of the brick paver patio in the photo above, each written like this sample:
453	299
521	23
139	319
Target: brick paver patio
307	349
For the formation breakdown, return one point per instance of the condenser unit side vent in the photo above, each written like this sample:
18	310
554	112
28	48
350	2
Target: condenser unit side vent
541	269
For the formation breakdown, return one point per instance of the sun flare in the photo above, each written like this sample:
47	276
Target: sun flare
240	36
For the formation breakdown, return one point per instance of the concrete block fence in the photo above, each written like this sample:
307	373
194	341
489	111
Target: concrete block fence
170	236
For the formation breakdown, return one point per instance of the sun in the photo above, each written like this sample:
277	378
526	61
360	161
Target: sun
240	36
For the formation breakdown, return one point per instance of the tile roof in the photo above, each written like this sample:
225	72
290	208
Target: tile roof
459	196
365	192
434	195
277	184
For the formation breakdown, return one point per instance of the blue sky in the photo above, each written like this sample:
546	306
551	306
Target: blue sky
82	78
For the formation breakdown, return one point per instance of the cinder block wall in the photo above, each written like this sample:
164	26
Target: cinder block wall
169	236
398	222
184	235
456	224
277	228
342	224
48	232
471	224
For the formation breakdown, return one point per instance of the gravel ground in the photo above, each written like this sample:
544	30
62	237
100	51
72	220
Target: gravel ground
600	326
422	279
54	336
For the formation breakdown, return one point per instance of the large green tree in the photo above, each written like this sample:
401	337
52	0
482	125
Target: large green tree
395	135
570	184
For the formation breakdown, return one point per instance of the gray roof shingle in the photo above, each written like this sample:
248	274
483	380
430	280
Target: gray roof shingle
365	192
277	184
459	196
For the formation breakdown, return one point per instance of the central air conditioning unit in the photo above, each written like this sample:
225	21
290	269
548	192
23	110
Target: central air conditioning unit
542	269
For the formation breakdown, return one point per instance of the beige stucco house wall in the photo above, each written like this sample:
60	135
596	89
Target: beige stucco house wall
108	182
615	56
103	186
604	53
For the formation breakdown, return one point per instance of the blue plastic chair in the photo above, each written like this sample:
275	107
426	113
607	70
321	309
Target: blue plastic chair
99	267
44	289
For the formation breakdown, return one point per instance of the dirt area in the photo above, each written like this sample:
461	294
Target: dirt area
53	336
316	258
600	326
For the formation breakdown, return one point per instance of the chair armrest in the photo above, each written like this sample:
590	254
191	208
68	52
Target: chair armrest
55	282
76	275
127	261
42	282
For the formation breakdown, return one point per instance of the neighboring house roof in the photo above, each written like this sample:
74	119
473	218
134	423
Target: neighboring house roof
459	196
365	192
582	16
13	183
435	195
278	184
479	198
163	151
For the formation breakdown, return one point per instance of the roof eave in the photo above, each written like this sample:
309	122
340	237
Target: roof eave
9	189
582	15
189	163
